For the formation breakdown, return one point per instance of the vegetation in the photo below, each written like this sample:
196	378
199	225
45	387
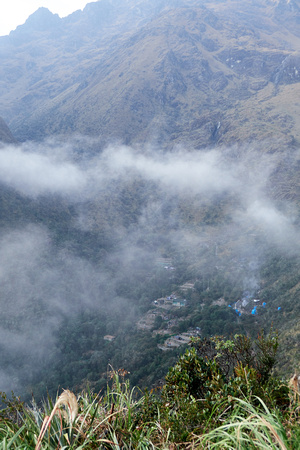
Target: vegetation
220	394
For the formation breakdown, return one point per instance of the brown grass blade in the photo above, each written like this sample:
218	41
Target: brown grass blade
69	401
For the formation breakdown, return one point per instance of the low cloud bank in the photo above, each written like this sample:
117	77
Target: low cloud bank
139	203
34	174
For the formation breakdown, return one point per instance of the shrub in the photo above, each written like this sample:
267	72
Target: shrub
211	373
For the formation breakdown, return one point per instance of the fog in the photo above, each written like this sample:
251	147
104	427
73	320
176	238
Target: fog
129	206
35	174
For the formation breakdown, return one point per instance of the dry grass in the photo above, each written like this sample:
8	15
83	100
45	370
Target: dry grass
68	400
294	388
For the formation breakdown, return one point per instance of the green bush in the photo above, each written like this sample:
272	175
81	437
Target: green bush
213	372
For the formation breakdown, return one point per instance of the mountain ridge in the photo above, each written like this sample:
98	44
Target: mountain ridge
162	71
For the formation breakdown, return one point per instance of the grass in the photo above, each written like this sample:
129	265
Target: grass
88	421
247	429
113	421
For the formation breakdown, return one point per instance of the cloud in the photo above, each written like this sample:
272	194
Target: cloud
128	207
277	227
195	172
41	285
36	174
173	181
79	167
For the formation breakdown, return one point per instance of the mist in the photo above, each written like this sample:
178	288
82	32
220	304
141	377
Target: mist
121	208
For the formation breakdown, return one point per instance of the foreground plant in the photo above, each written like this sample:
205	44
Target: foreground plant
89	421
247	428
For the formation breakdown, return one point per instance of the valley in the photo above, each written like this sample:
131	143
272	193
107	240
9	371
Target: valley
149	187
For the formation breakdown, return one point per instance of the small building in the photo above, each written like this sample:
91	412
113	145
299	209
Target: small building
179	302
109	338
245	301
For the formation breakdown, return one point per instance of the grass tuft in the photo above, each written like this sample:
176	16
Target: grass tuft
247	428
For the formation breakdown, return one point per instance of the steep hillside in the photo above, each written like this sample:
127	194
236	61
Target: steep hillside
5	133
206	72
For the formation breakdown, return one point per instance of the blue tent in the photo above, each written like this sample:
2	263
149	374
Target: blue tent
254	310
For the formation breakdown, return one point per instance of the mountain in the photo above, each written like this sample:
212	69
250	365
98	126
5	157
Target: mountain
5	133
198	72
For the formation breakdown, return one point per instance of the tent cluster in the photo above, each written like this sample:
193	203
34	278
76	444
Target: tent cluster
254	310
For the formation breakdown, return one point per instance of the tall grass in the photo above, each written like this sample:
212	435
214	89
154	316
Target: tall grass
87	422
123	419
247	428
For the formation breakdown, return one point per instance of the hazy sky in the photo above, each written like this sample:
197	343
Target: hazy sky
15	12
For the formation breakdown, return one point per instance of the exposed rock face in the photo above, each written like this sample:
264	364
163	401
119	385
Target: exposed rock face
170	71
5	134
288	71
